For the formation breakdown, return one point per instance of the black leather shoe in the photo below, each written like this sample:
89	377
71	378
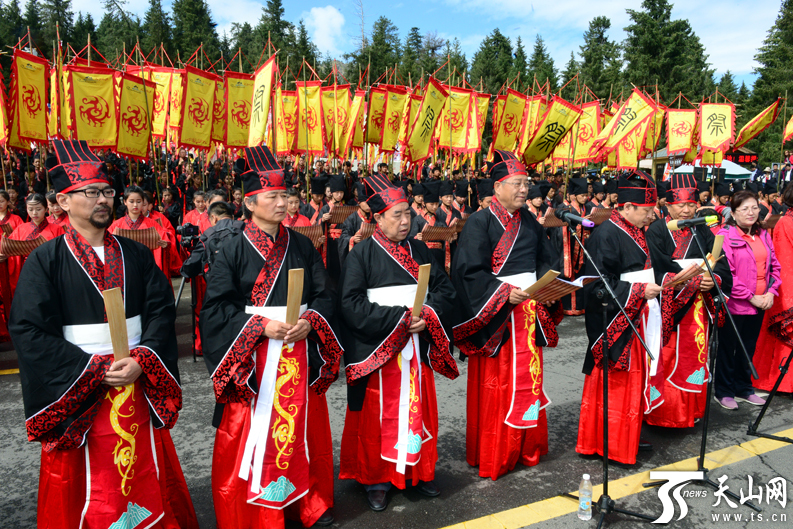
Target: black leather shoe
428	488
645	446
324	520
378	500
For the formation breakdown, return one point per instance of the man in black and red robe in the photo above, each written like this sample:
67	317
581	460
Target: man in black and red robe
391	355
351	227
273	455
687	309
572	254
338	190
620	251
502	251
104	425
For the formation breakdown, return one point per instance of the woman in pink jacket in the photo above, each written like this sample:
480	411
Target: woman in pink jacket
755	282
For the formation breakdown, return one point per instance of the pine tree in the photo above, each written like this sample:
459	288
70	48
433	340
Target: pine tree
384	45
12	28
83	26
774	80
727	87
570	91
541	65
56	12
193	26
520	66
272	25
431	50
411	52
32	20
303	48
157	28
242	38
667	52
457	64
491	65
600	59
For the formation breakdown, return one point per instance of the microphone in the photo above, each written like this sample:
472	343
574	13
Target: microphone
675	225
566	216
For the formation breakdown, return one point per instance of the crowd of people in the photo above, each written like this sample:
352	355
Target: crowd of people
239	229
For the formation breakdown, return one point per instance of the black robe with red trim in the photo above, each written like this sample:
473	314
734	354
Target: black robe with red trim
484	300
231	336
349	228
617	248
61	384
373	334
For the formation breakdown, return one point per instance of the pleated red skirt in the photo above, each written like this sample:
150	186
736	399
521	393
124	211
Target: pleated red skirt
62	488
201	290
489	443
626	408
229	492
680	408
769	354
360	442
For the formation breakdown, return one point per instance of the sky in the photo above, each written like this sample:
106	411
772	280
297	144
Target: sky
730	30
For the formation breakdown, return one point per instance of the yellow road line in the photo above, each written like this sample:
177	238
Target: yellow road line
543	510
8	371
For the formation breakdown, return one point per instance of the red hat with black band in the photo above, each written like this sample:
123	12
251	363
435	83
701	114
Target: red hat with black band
682	189
76	166
637	188
506	164
265	174
384	194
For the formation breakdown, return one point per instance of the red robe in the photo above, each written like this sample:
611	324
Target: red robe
6	284
143	223
63	220
174	258
776	337
296	221
28	231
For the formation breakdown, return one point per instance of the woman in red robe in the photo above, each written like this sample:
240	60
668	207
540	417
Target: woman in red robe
8	223
57	215
135	220
30	231
776	336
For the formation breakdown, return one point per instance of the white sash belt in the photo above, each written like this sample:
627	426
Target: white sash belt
522	281
393	296
94	338
652	324
400	296
263	402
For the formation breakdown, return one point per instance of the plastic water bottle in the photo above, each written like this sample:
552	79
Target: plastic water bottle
585	499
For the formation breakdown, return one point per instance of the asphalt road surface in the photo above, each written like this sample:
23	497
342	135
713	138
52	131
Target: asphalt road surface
466	499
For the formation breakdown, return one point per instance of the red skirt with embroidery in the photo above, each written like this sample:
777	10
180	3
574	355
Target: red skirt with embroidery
62	487
360	443
626	407
680	408
229	492
769	354
489	443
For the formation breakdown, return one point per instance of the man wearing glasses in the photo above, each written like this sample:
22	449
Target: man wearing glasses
273	455
502	251
107	454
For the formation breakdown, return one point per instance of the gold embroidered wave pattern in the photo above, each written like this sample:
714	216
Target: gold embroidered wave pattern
124	456
284	425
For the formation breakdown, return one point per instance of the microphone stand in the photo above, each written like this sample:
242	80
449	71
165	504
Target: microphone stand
605	504
713	347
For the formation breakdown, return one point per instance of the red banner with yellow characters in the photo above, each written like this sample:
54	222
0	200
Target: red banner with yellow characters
134	116
506	135
260	102
198	103
559	117
680	130
309	118
237	108
453	133
716	126
758	124
421	131
374	118
94	94
29	77
586	130
335	113
286	121
354	122
393	111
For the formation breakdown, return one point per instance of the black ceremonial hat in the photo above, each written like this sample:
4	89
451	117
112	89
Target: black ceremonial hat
506	164
318	184
637	188
682	188
77	166
384	194
432	191
446	188
265	174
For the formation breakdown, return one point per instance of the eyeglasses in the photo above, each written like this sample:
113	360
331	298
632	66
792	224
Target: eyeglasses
748	209
518	185
92	192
